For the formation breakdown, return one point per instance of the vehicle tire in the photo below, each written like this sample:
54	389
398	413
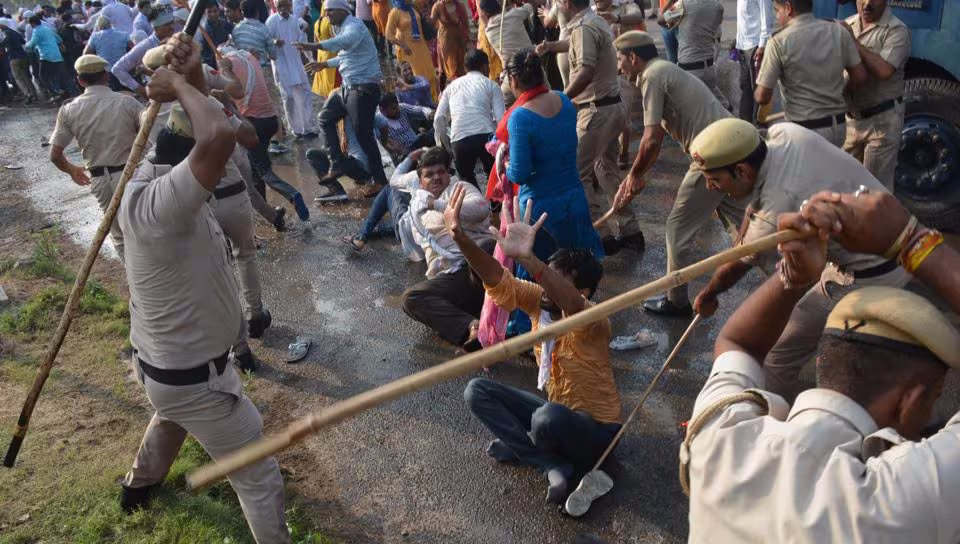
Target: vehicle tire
928	166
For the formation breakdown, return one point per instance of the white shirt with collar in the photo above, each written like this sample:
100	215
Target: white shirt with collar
821	472
471	104
755	23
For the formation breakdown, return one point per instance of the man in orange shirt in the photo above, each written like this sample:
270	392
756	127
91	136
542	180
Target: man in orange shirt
566	433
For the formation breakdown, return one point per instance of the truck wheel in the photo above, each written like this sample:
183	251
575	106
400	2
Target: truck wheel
928	166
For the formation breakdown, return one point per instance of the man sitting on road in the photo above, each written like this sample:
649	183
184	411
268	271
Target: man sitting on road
396	125
566	433
413	89
450	299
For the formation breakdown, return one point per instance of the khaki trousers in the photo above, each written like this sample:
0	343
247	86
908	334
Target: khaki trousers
708	76
597	153
798	342
235	216
102	188
21	74
693	208
875	142
222	419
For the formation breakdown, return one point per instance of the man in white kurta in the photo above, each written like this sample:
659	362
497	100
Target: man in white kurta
288	69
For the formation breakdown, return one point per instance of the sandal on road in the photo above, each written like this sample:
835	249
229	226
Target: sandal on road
298	349
642	339
354	242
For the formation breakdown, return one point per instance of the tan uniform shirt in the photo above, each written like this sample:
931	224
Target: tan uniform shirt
104	124
515	35
677	100
184	308
818	472
890	39
591	45
799	164
809	56
699	30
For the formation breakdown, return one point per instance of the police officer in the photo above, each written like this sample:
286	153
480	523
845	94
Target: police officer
808	57
697	35
841	464
875	109
104	123
594	88
778	173
184	310
675	102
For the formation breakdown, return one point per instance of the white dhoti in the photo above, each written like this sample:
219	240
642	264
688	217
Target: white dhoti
288	72
298	108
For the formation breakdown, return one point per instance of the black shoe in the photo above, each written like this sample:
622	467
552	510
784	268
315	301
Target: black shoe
134	498
332	192
278	221
611	246
258	324
662	306
310	135
634	242
247	362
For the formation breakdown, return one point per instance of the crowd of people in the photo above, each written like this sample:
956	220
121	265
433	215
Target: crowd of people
505	131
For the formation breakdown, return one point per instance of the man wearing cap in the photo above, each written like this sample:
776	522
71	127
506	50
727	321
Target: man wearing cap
777	174
678	103
808	57
181	336
161	18
875	109
594	88
841	464
104	123
358	97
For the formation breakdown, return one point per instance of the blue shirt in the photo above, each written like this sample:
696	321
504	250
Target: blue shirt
219	33
47	44
109	44
253	36
357	55
140	22
418	94
543	150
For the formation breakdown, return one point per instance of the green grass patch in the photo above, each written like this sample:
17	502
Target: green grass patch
47	261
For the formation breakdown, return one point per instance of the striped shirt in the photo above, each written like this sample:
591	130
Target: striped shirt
401	129
253	36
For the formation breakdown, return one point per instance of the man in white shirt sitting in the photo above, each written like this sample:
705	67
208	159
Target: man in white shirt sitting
467	116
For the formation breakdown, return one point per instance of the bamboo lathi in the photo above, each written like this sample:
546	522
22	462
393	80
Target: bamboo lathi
300	429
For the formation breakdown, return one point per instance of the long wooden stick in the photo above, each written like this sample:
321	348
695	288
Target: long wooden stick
646	393
133	160
470	362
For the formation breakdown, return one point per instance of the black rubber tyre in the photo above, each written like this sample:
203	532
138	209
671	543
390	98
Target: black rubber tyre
938	207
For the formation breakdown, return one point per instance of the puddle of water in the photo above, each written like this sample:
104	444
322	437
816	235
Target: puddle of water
335	318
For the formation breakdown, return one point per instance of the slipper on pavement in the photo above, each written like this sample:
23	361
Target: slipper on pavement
298	349
642	339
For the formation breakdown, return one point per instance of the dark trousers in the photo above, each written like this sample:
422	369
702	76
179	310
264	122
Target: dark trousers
467	151
54	77
545	435
448	303
748	83
260	163
352	167
379	40
6	92
387	200
357	104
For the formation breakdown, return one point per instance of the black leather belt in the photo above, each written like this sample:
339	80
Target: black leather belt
229	190
606	101
98	171
823	122
360	86
874	271
875	110
180	377
700	64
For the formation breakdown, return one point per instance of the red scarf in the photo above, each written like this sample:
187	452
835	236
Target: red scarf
503	135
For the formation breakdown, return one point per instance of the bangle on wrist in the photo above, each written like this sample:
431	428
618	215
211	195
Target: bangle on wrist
920	249
905	234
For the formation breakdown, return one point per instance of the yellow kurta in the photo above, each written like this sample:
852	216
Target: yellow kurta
400	30
325	80
482	44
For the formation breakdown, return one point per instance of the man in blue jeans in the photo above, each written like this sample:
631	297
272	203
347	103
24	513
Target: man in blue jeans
564	434
358	97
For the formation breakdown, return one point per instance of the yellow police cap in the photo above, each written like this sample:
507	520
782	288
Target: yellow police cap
89	64
724	142
634	38
155	58
178	122
886	313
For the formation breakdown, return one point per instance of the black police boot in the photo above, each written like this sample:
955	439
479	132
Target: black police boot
258	324
134	498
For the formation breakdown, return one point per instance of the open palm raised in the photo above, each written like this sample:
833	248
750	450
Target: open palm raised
519	237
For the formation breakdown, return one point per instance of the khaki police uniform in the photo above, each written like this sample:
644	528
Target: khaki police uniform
821	470
601	117
683	105
798	165
697	35
173	240
515	38
875	109
104	123
808	56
